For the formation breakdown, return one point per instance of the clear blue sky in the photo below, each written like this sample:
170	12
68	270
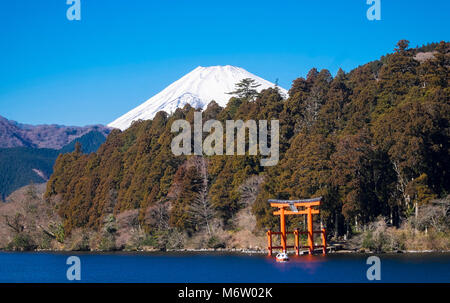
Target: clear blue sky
123	52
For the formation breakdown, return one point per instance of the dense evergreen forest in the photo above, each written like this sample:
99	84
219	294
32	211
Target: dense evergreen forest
20	166
372	142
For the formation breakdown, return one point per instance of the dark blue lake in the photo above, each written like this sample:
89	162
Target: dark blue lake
221	268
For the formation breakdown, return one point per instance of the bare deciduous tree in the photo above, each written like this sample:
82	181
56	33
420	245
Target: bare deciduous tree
250	189
201	210
435	215
16	223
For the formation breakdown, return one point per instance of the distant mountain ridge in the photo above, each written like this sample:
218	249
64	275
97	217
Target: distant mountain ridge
14	134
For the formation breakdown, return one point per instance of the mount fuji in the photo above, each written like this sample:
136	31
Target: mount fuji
197	88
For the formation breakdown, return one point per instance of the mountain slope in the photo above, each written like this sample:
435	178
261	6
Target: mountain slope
197	88
19	166
13	134
90	142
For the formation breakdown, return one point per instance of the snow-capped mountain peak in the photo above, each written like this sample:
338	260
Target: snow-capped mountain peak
197	88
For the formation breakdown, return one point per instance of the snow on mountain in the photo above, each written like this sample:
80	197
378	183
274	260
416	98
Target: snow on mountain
197	88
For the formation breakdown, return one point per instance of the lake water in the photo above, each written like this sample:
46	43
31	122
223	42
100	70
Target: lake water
221	268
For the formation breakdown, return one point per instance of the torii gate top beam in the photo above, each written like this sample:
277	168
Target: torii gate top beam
318	199
293	204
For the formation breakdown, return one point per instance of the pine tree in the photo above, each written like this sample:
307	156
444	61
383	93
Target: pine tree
246	89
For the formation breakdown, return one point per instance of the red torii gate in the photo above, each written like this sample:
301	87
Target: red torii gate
307	209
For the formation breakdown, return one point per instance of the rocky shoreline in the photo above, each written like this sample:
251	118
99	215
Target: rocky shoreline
246	251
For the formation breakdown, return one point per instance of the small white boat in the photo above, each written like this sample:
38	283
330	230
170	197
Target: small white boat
282	257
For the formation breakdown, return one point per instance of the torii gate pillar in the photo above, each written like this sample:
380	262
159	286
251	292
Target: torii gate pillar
310	231
283	229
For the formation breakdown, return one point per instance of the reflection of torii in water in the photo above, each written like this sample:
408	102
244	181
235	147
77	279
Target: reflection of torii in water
306	208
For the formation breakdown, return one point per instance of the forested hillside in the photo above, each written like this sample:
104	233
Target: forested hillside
20	166
373	142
